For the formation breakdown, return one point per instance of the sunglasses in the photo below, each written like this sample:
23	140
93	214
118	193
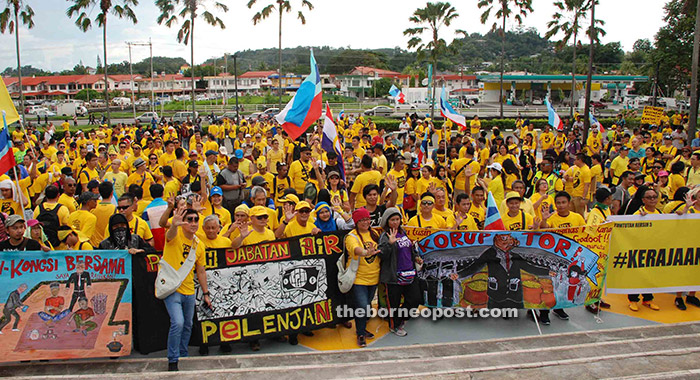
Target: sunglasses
658	167
70	185
427	203
261	217
304	211
120	208
652	197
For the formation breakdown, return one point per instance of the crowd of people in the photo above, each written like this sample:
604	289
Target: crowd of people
244	182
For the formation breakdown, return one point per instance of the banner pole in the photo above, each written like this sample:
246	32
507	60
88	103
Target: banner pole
537	322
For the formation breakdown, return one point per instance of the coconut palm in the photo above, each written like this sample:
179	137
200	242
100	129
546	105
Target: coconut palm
83	8
280	6
504	9
9	20
568	19
430	19
188	11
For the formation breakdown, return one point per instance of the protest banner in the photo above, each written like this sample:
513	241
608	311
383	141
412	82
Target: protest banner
65	304
652	115
269	289
654	253
151	320
556	268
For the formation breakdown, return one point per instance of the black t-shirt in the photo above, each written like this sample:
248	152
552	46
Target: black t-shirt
31	245
376	215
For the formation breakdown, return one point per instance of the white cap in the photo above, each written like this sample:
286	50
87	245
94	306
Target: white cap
496	166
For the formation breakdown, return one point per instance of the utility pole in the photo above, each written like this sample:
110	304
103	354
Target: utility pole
153	96
131	82
656	84
235	83
693	123
461	85
589	79
226	79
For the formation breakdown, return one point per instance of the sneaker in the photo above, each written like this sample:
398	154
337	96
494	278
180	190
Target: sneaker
255	345
651	305
172	367
561	314
293	340
361	341
680	304
592	308
399	331
544	319
369	335
693	301
634	306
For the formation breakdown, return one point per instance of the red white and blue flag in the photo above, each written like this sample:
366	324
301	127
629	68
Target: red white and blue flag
595	123
7	157
330	141
397	94
553	119
448	112
305	107
493	220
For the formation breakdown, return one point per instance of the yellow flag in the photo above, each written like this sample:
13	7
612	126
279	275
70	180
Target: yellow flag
7	105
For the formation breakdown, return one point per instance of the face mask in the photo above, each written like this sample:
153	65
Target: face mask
120	236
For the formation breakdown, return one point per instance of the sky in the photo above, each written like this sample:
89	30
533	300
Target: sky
55	43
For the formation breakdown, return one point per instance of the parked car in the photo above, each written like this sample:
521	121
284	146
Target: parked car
379	111
44	112
228	114
405	107
271	111
146	117
31	110
181	117
97	103
143	102
599	105
537	102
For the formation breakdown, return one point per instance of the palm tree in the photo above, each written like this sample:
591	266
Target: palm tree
430	19
693	122
281	7
567	20
592	32
188	13
16	9
119	8
503	12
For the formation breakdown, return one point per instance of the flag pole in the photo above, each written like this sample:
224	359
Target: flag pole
14	167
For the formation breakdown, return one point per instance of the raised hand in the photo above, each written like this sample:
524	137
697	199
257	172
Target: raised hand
391	182
179	218
289	212
171	202
197	203
432	188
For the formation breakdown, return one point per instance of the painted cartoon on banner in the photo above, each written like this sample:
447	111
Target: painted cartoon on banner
534	270
265	287
61	305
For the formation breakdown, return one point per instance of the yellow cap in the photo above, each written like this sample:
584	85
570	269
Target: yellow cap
302	205
242	208
289	198
513	195
258	210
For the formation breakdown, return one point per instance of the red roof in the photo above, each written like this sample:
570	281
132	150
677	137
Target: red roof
257	74
455	77
364	70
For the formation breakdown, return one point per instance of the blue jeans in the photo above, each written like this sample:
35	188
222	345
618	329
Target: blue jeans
362	296
181	310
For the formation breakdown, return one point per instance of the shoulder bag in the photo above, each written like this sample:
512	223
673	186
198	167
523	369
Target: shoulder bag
169	279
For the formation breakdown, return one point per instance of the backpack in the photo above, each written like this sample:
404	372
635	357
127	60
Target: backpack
50	220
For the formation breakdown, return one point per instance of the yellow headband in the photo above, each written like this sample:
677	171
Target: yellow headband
428	198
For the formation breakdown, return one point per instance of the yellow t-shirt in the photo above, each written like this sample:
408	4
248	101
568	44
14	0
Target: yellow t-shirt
369	266
371	177
436	221
144	180
496	188
675	181
515	223
546	140
256	237
423	184
85	222
296	229
468	223
571	220
219	242
176	251
299	174
547	204
581	176
597	216
62	213
479	215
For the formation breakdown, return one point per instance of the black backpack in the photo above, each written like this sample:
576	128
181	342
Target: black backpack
50	220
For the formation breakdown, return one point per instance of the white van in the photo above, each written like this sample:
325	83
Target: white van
181	117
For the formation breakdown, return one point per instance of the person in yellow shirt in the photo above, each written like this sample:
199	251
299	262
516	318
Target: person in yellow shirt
138	226
464	221
168	157
426	218
274	156
546	138
497	185
465	172
209	234
368	176
50	203
142	178
361	244
72	240
594	143
648	198
541	199
559	142
68	197
563	218
89	172
180	242
515	219
296	221
83	220
475	126
427	180
578	182
676	180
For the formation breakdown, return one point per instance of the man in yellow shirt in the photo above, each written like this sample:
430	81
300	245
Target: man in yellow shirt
138	226
546	138
426	218
515	219
578	182
142	178
300	170
88	173
368	176
475	126
68	197
619	165
83	220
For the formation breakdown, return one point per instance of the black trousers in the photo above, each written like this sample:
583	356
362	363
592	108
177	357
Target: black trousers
7	316
646	297
399	311
76	294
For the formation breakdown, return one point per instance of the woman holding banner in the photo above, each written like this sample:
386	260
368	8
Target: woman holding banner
398	270
643	203
361	244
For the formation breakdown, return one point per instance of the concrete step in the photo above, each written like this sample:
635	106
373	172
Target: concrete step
497	358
